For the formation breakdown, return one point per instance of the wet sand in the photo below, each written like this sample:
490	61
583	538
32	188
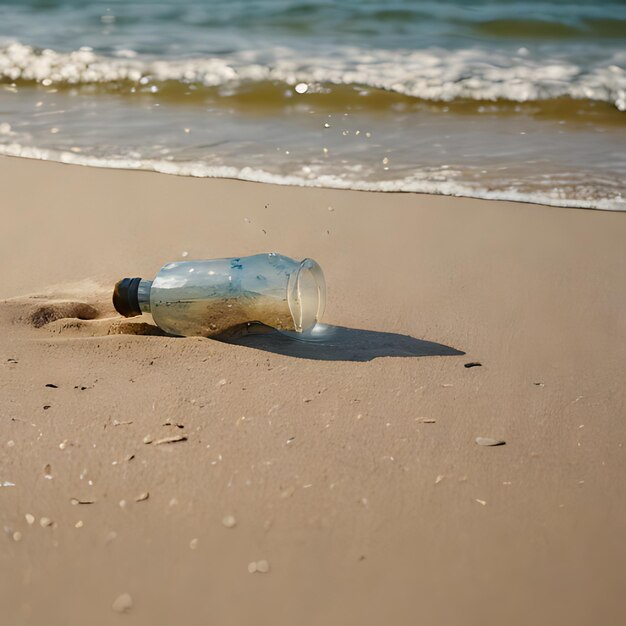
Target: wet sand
344	475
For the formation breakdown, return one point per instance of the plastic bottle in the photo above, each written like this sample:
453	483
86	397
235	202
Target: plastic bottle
209	298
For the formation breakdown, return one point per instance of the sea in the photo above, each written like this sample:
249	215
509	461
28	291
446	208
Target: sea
481	98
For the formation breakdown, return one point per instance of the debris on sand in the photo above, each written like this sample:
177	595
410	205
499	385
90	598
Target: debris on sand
426	420
118	423
473	364
123	603
172	439
47	471
52	386
488	441
229	521
142	496
76	501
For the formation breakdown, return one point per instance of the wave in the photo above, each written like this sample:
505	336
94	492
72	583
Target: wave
434	181
433	74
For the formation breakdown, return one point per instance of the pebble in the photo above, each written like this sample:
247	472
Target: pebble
483	502
79	524
262	567
30	519
142	496
123	603
229	521
10	443
63	445
488	441
287	493
193	544
439	479
45	521
147	439
17	536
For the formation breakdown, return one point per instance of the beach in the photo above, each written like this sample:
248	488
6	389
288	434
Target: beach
346	473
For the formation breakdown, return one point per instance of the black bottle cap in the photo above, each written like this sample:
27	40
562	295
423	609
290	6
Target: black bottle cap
125	298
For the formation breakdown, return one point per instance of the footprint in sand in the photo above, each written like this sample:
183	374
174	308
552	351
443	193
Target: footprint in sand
63	315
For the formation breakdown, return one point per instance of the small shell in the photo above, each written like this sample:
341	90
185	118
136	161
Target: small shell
488	441
123	603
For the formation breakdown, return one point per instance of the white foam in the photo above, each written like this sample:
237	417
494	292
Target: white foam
430	182
431	74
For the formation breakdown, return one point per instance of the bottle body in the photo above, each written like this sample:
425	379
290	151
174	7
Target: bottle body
209	298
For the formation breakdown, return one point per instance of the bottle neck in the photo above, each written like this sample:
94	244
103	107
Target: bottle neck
143	295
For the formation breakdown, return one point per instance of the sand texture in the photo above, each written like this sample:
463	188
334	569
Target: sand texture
148	479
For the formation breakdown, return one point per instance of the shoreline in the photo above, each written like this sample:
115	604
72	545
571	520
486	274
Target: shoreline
314	485
250	175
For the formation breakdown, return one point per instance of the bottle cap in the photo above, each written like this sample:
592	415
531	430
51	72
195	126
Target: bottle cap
125	298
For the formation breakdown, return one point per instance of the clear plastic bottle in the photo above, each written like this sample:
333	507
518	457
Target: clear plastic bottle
209	298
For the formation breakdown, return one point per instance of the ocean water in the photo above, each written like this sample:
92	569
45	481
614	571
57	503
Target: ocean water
494	99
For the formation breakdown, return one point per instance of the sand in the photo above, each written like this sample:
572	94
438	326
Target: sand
348	471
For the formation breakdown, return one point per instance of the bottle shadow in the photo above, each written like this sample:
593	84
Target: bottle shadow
338	343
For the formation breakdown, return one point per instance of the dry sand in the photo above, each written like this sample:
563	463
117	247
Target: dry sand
346	476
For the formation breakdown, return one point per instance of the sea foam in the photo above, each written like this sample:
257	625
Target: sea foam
433	74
